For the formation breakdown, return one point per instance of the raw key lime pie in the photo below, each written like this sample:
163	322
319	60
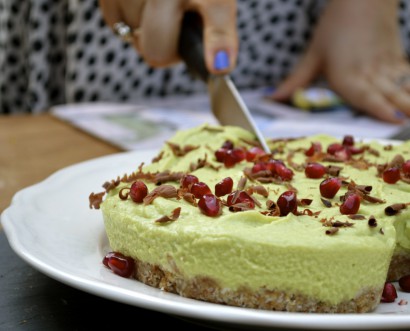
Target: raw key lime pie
312	227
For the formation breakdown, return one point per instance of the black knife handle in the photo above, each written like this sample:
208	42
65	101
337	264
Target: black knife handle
191	46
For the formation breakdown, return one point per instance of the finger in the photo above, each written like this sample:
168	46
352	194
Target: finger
131	12
159	34
111	11
128	11
397	95
220	33
362	95
305	71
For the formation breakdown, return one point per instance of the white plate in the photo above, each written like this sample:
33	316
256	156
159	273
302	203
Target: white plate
51	227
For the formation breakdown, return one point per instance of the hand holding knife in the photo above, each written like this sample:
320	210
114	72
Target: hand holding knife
226	103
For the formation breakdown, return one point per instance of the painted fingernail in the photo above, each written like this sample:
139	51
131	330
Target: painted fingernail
268	91
399	115
221	61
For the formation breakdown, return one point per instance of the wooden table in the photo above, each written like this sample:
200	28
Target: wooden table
31	149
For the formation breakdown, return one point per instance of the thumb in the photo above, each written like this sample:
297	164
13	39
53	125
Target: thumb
220	35
306	70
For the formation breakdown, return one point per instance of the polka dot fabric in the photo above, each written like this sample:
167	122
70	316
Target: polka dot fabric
54	52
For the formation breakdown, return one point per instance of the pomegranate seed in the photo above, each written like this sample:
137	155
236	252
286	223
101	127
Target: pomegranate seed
200	189
287	203
404	283
260	166
121	265
283	172
314	148
241	197
350	205
220	154
335	147
234	156
274	165
315	170
348	140
389	293
391	175
355	150
343	155
138	191
227	144
188	180
210	205
106	258
406	168
329	187
253	152
224	187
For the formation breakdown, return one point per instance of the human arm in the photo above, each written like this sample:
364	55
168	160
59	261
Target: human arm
356	47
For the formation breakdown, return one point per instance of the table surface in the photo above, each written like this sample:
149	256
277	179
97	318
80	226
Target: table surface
31	149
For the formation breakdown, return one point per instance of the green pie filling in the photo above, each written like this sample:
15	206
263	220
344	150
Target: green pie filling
247	249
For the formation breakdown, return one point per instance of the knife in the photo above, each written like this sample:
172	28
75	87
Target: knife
226	102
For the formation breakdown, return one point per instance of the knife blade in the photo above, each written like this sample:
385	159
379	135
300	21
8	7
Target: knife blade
226	102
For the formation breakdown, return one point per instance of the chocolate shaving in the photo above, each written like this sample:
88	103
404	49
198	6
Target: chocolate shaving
167	176
397	161
339	224
405	179
164	191
327	203
356	217
304	202
158	157
333	170
373	151
394	209
292	164
235	196
308	212
381	231
332	231
388	147
336	224
372	199
372	221
241	184
201	163
95	200
108	186
241	206
259	189
271	205
173	217
190	198
366	189
124	196
256	201
254	143
178	151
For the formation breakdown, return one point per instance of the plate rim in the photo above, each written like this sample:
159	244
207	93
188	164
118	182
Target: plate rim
244	316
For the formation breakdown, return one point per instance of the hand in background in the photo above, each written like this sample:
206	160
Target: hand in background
356	47
156	28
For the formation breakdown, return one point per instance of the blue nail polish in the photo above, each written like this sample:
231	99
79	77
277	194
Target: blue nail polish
268	91
399	115
221	60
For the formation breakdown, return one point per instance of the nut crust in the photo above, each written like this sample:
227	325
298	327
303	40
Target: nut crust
207	289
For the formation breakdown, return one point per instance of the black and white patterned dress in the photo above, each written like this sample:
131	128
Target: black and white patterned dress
55	52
